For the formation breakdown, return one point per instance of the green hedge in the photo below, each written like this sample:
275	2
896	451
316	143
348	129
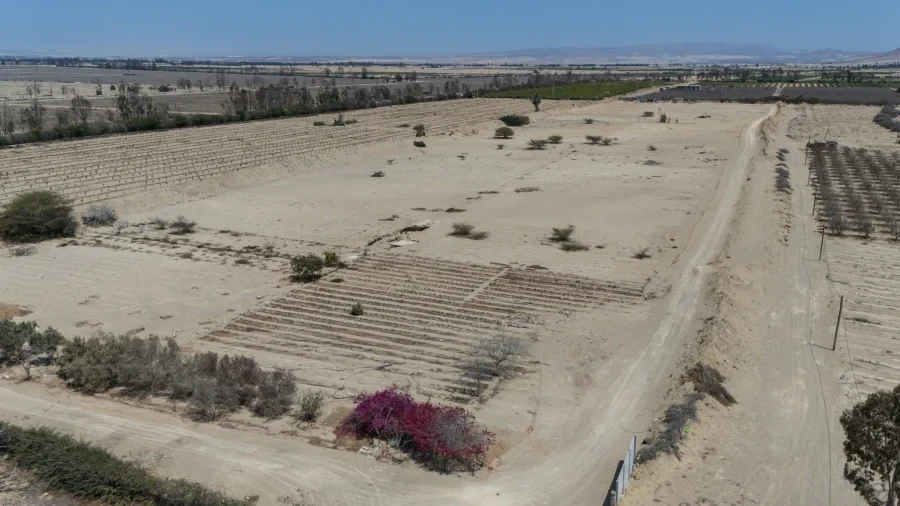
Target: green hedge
87	471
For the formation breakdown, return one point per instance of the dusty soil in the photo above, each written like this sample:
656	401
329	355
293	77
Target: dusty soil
781	444
603	324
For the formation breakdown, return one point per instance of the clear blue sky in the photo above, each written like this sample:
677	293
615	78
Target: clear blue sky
389	27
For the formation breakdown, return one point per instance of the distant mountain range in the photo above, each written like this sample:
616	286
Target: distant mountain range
663	53
669	53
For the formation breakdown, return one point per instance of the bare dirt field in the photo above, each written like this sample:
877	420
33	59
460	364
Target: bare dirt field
858	95
605	325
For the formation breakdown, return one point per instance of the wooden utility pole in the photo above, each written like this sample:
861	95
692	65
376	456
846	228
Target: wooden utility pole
836	327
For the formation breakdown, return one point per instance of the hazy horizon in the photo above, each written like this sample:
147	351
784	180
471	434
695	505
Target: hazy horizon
391	29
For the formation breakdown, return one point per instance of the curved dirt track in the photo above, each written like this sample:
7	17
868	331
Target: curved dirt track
578	472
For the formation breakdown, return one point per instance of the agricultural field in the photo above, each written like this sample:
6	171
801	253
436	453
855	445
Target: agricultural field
822	94
580	91
410	296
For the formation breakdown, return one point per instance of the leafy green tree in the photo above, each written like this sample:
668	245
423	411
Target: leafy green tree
21	343
307	267
872	447
37	215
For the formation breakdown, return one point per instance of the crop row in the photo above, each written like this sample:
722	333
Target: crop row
857	190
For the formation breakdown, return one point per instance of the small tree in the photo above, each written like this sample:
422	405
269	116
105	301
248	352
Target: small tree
81	108
497	355
21	343
307	267
420	130
554	139
537	144
504	132
562	234
37	215
872	447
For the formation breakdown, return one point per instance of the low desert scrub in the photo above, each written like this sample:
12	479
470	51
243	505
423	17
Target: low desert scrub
651	148
318	123
22	344
404	125
562	234
187	255
554	139
22	251
441	437
707	380
90	473
648	114
454	210
674	424
378	173
588	121
512	120
504	133
35	216
120	227
468	231
390	161
573	246
537	144
642	253
214	385
652	163
309	406
182	225
500	146
99	216
357	309
307	267
242	261
419	144
527	189
159	223
598	139
663	118
420	130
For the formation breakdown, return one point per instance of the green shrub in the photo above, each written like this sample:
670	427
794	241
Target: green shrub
307	267
554	139
37	215
60	462
573	246
588	121
537	144
357	309
511	120
419	144
504	133
462	229
332	259
276	394
318	123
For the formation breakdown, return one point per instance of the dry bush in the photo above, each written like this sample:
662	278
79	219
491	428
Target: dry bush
527	189
357	309
159	223
22	251
707	380
594	139
276	394
537	144
642	253
663	118
652	163
331	259
500	146
648	114
562	234
554	139
651	148
309	405
420	130
211	400
675	421
182	226
573	246
606	141
494	357
454	210
419	144
378	173
478	236
462	229
99	216
588	121
504	133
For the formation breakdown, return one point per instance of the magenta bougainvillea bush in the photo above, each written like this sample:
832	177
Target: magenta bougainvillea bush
443	437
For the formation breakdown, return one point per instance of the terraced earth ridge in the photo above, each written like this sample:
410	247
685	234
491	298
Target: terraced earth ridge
421	315
99	169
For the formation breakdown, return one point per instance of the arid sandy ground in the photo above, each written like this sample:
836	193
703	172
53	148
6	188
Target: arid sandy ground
781	444
606	325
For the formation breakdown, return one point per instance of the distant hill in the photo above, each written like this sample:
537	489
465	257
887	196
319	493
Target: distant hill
666	53
889	57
